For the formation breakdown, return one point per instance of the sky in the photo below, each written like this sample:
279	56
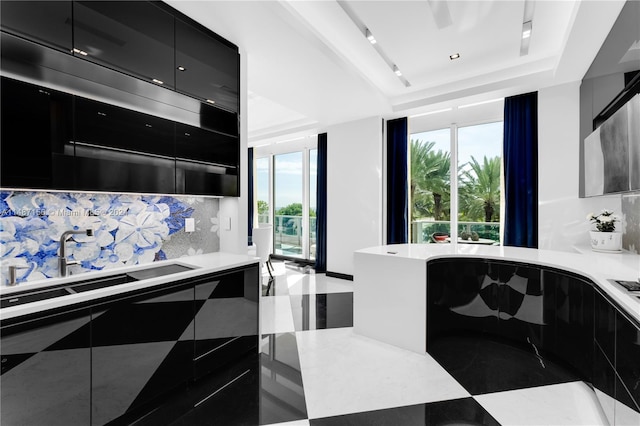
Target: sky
288	178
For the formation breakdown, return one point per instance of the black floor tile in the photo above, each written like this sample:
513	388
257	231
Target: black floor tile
465	411
321	311
483	366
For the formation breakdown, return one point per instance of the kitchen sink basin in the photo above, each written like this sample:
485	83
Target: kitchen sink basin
159	271
100	283
32	296
28	296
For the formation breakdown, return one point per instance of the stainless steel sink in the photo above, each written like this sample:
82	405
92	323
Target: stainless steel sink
27	296
32	296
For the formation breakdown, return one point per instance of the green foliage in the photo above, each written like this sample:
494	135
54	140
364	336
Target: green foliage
430	183
263	207
479	190
294	209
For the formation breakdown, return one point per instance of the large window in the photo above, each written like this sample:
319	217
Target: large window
288	202
286	197
475	180
263	179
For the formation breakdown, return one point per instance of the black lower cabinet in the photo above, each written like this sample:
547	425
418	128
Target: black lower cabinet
46	370
628	368
573	321
604	382
542	311
226	319
461	297
142	348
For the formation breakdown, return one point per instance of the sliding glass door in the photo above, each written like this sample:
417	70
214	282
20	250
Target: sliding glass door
286	184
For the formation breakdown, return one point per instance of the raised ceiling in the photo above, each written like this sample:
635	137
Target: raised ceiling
309	64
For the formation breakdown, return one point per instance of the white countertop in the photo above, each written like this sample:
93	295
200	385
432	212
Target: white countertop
597	267
202	264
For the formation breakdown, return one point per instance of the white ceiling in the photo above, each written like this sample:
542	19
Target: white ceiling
309	64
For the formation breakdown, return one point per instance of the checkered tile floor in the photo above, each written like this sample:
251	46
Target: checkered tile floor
314	370
347	379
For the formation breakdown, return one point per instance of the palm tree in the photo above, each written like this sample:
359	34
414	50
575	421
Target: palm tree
480	190
429	180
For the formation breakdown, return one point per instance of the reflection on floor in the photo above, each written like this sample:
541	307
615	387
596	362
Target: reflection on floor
313	370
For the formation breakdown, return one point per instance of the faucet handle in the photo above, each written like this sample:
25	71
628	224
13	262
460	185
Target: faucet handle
12	274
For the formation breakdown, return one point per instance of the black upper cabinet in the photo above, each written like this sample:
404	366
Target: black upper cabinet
198	144
45	22
206	67
122	150
36	130
134	37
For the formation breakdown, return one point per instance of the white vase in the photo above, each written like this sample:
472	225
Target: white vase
607	242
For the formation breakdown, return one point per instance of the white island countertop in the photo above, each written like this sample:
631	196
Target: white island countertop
402	268
202	264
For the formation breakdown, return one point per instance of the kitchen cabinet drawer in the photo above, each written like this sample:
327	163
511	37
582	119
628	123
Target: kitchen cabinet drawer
142	347
226	319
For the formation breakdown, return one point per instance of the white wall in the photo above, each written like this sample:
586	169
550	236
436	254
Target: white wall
562	219
354	191
236	210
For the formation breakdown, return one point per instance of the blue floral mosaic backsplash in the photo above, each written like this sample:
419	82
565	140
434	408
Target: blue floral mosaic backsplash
128	229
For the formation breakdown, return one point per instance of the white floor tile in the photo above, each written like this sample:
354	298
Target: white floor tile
317	283
346	373
275	315
293	423
564	404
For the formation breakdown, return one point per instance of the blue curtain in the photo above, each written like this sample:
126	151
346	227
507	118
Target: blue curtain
397	181
250	196
521	170
321	205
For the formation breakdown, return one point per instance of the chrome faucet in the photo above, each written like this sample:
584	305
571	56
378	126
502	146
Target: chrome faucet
62	260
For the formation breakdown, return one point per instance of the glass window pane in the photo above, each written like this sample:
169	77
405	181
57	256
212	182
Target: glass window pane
313	185
262	189
430	186
479	165
288	200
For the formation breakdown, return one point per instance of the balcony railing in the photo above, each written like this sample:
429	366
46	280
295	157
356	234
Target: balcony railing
422	229
287	235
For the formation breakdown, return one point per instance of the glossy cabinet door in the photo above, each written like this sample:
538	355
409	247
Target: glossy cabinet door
628	369
462	296
142	347
118	149
135	37
45	22
36	131
208	67
573	321
46	370
226	319
207	162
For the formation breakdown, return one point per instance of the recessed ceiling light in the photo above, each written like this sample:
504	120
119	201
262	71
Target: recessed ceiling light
211	101
81	52
181	68
454	56
431	112
526	29
480	103
370	36
155	80
397	71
